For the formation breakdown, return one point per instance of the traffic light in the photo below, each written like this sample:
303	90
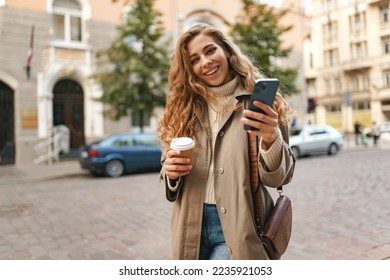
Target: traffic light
311	104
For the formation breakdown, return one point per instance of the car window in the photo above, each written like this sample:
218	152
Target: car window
145	140
123	141
318	132
295	132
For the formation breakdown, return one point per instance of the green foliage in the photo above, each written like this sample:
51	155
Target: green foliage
258	33
135	64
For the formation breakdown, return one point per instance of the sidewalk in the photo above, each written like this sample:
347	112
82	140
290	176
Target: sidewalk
11	174
350	145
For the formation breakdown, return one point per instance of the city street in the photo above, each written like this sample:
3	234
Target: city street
340	212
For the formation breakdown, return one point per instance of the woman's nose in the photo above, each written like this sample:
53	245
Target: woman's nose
206	61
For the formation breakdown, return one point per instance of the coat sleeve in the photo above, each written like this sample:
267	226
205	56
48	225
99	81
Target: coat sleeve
283	174
171	192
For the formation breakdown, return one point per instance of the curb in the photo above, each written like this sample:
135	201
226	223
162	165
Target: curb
37	173
39	179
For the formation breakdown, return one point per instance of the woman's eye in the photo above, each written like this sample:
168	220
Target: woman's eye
194	60
211	50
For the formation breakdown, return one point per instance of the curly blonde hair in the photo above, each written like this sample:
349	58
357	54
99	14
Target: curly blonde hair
188	95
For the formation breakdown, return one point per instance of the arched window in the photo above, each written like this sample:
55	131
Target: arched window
67	20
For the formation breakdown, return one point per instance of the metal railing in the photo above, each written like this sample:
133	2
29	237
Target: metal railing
49	150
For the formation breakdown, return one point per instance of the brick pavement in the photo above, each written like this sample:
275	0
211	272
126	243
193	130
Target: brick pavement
340	206
82	217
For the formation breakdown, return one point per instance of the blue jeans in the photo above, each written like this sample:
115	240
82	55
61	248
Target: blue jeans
212	243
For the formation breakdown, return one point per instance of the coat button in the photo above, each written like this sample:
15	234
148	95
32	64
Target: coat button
223	210
221	170
221	133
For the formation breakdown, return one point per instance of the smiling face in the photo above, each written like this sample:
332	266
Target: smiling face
209	61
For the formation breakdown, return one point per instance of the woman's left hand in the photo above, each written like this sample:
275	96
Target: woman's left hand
266	124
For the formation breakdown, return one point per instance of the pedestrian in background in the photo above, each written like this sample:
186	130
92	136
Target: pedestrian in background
375	133
210	81
358	132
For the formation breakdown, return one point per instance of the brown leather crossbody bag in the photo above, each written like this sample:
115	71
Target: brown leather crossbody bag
275	233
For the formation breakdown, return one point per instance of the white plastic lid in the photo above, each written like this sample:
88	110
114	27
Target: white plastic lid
182	143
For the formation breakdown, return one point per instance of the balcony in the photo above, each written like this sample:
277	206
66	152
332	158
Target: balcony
356	64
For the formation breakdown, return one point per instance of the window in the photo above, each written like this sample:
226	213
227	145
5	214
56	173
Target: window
386	45
311	60
331	57
67	20
146	140
355	82
384	14
357	22
358	50
366	81
328	5
123	141
337	85
330	31
386	78
361	105
333	108
328	86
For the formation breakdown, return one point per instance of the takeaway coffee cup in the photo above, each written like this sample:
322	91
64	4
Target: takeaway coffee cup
185	145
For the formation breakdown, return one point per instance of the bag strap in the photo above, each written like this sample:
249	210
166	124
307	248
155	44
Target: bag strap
255	178
255	186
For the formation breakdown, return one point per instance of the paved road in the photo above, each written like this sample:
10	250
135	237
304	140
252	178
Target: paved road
340	205
85	218
341	208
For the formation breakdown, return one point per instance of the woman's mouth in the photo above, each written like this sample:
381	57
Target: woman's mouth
212	71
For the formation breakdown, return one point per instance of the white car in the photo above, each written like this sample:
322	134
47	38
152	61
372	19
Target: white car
385	127
385	131
315	139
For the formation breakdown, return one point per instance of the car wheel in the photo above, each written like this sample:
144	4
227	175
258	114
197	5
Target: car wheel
114	168
332	149
295	151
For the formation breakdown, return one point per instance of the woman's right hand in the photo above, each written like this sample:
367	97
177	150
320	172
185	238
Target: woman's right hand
175	166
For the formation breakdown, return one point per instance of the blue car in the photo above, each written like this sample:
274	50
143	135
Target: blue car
122	153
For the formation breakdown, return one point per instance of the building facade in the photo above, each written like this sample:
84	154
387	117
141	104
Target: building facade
347	62
47	55
46	58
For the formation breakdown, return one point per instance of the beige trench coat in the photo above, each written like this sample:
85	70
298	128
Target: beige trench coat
232	190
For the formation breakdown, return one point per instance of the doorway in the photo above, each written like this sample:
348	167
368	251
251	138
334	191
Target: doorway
7	122
68	109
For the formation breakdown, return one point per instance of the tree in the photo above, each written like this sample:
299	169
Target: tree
258	33
136	76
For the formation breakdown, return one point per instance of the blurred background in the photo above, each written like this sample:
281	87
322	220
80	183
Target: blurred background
59	60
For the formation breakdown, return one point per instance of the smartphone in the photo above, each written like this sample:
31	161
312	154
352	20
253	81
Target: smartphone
264	91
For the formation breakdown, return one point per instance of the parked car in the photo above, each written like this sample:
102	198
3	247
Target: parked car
122	153
385	127
385	131
315	139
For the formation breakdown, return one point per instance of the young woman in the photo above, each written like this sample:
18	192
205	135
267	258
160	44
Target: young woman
210	83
